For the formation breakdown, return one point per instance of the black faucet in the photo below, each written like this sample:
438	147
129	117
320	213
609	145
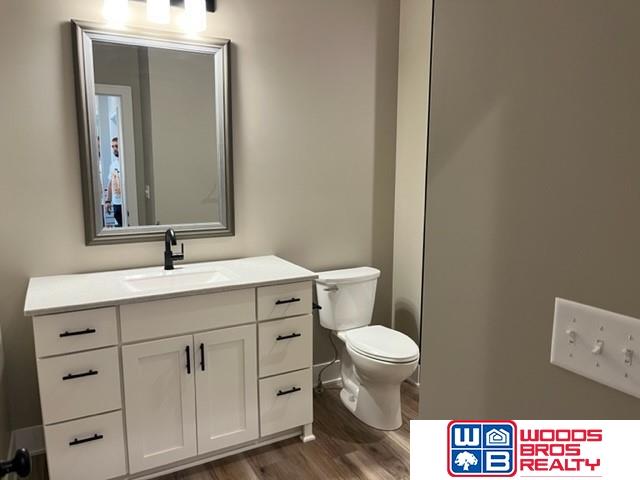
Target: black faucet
169	256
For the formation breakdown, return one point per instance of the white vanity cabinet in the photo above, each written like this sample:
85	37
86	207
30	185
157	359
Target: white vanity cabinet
148	385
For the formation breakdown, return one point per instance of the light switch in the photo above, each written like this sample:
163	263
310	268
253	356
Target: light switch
597	344
597	348
628	356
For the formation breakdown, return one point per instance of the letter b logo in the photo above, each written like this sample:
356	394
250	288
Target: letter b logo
497	461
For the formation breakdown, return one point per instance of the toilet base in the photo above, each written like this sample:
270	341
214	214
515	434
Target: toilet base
348	400
379	406
374	402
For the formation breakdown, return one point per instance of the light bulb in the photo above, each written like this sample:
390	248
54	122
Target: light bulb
116	11
158	11
195	12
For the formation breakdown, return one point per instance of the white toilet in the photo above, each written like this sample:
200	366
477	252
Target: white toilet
375	360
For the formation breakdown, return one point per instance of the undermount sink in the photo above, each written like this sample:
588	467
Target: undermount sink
187	277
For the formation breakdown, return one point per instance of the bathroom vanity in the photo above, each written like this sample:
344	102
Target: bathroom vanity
144	372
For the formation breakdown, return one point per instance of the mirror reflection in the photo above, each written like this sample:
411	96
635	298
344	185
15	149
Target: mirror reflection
155	112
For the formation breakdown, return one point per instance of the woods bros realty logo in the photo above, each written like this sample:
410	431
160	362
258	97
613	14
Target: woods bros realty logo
480	448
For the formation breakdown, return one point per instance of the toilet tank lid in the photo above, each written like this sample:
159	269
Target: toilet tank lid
348	275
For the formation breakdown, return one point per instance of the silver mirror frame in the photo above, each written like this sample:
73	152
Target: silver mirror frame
84	33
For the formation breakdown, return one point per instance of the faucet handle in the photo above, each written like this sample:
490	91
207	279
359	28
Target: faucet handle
179	256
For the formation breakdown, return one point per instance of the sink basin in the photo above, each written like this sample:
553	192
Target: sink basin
182	278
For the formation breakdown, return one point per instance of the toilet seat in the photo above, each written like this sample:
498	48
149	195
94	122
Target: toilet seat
382	343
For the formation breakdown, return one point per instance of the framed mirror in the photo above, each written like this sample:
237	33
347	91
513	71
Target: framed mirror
155	134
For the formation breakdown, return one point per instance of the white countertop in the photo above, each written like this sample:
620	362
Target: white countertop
64	293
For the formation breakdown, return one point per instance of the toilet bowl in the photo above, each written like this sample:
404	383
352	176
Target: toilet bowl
375	360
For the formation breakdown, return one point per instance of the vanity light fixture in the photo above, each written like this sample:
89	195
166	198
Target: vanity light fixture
159	11
193	19
195	15
116	11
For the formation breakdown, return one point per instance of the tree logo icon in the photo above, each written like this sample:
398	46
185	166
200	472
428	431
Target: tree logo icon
466	460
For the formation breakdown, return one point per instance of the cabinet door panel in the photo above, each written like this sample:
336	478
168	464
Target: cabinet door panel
226	386
160	402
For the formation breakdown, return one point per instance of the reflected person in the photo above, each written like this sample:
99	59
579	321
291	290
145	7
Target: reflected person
114	195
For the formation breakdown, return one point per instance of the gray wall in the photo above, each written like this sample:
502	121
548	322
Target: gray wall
532	193
314	99
411	163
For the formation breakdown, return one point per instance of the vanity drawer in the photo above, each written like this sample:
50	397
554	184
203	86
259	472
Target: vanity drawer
279	301
78	385
286	401
285	345
75	331
177	316
87	449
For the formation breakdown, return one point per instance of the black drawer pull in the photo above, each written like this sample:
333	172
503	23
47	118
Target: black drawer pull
188	352
287	337
72	376
291	300
202	356
79	332
287	392
97	436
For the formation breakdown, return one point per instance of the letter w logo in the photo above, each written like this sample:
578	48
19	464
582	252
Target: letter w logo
467	437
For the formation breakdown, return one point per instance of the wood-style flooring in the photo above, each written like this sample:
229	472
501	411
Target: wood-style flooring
344	448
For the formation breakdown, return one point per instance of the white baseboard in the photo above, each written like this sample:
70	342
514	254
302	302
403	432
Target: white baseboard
12	450
31	438
330	375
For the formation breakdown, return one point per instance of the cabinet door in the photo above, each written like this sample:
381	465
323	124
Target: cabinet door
159	391
226	386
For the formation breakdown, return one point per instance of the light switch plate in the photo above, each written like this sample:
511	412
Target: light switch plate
580	331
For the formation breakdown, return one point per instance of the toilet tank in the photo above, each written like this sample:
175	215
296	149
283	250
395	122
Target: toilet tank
346	297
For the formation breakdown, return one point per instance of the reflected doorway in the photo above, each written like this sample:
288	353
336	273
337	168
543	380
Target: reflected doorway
116	156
